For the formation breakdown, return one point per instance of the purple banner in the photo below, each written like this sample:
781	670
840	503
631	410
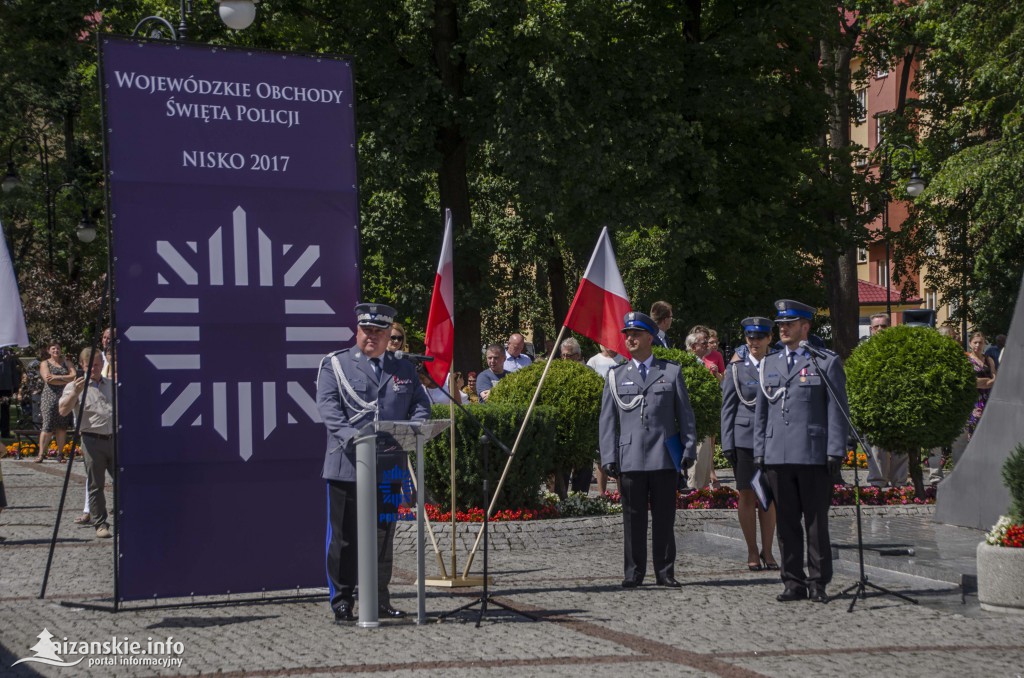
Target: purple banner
234	216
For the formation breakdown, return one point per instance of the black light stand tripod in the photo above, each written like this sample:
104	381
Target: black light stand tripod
860	587
486	439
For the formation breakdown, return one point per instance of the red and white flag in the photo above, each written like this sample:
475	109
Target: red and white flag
440	337
600	303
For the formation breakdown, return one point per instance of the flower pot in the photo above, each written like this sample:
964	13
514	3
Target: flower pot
1001	578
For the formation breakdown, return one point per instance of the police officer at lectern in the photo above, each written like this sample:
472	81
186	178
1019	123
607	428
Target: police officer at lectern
355	387
799	439
646	433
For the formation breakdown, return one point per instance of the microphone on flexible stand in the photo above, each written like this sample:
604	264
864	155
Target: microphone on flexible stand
813	350
414	357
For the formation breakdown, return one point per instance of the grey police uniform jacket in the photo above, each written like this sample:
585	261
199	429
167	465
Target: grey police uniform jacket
737	416
635	439
806	425
399	395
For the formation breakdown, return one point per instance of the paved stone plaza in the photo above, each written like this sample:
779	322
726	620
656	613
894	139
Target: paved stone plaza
724	621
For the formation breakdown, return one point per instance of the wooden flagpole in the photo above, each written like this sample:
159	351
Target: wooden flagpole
515	446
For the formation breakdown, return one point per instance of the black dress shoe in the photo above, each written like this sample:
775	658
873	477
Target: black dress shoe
386	610
790	595
343	613
669	582
631	583
818	595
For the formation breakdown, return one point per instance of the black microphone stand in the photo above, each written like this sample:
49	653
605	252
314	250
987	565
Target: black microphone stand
486	439
860	587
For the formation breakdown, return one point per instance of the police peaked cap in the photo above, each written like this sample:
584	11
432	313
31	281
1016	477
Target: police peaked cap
375	315
757	323
634	320
792	310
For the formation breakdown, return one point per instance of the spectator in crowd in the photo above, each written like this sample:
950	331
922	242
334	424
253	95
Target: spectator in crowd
661	313
56	373
485	381
33	384
469	390
570	350
884	467
698	343
604	361
107	346
515	359
938	456
739	396
10	382
995	351
97	429
713	351
702	472
985	372
396	340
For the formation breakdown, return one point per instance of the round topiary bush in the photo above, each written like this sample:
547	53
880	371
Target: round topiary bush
525	475
705	393
574	391
910	388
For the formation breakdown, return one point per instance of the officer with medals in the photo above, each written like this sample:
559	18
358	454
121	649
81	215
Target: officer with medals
355	387
739	395
646	434
800	437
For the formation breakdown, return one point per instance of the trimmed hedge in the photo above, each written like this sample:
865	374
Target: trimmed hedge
574	391
705	393
910	388
1013	478
522	486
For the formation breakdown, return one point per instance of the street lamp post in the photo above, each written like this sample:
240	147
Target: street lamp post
236	14
915	186
12	181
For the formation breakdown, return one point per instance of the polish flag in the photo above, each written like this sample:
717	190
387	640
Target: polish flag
600	303
440	337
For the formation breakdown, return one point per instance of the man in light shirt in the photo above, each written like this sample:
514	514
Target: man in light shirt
515	359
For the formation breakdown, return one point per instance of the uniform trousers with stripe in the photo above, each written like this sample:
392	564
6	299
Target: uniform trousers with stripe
342	557
802	492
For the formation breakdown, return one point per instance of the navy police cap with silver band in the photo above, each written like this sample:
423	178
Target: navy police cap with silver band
375	315
634	320
790	310
757	323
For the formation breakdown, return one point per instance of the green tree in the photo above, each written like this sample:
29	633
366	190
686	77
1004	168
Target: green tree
910	388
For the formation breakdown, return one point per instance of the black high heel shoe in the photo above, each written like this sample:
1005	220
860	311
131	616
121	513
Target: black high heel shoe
766	565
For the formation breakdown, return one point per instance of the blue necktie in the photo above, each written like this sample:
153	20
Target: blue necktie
643	371
792	359
375	363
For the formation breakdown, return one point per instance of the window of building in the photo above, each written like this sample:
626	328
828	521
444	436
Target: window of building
862	255
880	128
931	299
883	273
883	65
861	114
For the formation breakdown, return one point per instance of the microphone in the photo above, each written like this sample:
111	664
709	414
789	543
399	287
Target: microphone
813	350
414	357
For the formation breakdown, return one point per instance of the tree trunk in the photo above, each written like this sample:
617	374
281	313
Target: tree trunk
840	267
453	183
916	475
556	278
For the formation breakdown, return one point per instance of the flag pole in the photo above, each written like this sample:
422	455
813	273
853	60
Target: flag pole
426	519
451	462
515	446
